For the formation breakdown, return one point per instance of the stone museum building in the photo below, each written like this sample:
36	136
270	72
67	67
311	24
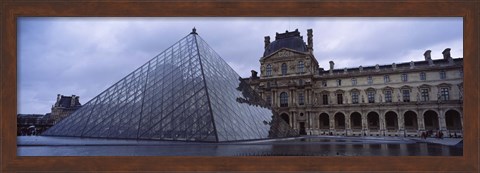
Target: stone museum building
34	124
397	99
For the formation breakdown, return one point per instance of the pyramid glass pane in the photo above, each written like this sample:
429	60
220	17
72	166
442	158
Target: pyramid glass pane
186	93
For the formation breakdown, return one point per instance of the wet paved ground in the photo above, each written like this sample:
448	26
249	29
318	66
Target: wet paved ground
303	146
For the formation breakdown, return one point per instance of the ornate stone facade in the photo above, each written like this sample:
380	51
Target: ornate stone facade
64	106
399	99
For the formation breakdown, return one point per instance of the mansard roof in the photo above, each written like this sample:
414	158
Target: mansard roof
65	101
291	40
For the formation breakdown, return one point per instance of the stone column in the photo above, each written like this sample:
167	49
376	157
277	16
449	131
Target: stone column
401	125
290	117
348	126
318	121
332	122
441	120
307	97
312	118
274	98
364	124
383	125
294	122
292	98
308	126
420	123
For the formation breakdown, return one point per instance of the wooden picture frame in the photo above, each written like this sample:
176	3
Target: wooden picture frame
11	10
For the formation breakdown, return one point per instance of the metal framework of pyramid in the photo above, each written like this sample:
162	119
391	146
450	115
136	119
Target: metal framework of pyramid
187	92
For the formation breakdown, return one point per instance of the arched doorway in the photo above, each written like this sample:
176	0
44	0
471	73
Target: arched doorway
324	121
431	120
285	118
356	121
391	121
410	120
339	121
373	121
453	120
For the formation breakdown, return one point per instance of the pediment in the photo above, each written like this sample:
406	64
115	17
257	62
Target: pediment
282	53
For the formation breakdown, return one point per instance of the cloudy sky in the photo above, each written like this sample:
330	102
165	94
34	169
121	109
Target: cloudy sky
84	56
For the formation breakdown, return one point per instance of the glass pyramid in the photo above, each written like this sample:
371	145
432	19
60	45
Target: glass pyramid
187	92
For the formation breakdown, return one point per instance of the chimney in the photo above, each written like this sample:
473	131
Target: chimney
58	99
267	41
310	40
254	74
427	55
446	53
331	66
72	101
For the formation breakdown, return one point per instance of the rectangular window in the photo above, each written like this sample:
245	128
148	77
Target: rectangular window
300	68
388	96
354	97
404	77
325	99
301	99
386	78
369	80
371	97
284	69
354	82
443	75
423	76
444	94
324	83
406	95
339	82
425	95
339	98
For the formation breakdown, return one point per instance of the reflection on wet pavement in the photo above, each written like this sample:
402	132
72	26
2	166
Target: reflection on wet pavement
316	146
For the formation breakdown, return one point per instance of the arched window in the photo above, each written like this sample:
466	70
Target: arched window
283	99
284	69
300	67
269	70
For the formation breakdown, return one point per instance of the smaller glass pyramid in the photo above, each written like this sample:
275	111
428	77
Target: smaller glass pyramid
187	92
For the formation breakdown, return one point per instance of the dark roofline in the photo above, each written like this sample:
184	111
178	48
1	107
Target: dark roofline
402	64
